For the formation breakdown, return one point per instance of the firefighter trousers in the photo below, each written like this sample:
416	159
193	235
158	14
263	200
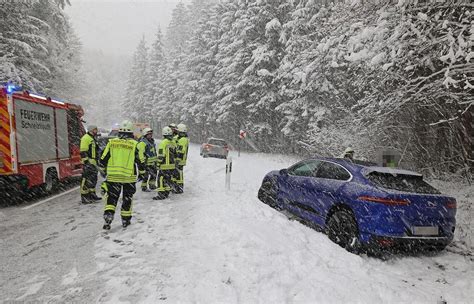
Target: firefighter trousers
164	183
111	198
179	181
89	180
149	179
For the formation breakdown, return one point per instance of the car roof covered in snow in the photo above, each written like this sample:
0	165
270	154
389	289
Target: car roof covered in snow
387	170
346	162
367	167
215	138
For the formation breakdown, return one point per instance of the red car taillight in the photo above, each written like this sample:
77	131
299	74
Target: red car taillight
385	201
385	242
451	204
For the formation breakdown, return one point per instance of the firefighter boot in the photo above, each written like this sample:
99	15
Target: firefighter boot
95	197
108	217
86	199
161	196
125	223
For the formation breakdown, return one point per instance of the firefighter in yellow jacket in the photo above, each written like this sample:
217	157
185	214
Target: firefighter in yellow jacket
89	156
166	164
147	148
182	143
121	160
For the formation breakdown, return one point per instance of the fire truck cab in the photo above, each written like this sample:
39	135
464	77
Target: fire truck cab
39	141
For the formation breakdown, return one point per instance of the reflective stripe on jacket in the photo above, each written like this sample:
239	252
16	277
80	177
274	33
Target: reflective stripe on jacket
182	150
166	154
88	149
147	148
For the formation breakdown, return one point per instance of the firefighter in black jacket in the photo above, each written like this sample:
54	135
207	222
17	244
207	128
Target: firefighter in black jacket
89	156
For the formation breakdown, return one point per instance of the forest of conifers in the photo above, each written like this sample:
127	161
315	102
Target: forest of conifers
304	77
313	78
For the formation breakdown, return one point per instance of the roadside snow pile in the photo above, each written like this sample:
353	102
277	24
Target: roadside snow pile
464	195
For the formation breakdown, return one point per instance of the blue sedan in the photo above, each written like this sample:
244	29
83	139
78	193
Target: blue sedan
362	206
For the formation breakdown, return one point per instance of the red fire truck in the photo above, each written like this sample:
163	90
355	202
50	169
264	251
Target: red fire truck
39	141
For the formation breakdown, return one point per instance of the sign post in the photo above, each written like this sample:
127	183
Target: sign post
228	171
242	136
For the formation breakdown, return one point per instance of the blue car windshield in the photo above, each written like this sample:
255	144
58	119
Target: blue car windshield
401	182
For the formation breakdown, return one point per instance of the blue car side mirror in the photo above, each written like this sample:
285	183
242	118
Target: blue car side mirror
284	172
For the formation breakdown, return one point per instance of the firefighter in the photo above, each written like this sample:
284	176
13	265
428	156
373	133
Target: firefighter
349	154
121	160
166	164
147	148
89	156
174	128
181	155
175	176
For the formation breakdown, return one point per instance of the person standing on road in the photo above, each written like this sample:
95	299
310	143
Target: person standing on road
174	128
89	156
181	155
121	160
166	164
175	176
147	148
349	154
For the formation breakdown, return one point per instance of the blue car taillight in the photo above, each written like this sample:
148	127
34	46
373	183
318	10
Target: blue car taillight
385	201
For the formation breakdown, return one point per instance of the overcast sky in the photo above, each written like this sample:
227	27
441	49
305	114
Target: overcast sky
115	27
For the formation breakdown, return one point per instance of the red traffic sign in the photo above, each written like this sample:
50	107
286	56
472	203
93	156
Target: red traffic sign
242	134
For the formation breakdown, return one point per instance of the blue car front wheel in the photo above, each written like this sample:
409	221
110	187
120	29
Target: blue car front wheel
342	230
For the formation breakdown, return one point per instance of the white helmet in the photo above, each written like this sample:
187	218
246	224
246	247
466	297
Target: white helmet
182	128
126	127
348	150
90	128
167	131
146	131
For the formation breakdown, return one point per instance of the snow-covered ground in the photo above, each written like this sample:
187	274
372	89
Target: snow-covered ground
210	245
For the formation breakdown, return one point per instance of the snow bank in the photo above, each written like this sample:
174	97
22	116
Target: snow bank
464	195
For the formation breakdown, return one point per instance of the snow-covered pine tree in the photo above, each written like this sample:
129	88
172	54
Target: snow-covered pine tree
435	105
294	108
156	105
63	58
267	41
21	41
200	72
39	49
135	99
178	32
177	38
232	59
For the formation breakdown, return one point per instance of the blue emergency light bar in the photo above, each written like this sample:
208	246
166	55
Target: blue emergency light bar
12	88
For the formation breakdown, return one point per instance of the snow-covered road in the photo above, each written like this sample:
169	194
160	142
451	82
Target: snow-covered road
208	246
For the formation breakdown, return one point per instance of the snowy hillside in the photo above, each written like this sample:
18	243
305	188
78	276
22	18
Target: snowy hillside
213	246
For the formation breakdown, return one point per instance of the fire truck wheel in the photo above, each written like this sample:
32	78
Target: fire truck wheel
51	181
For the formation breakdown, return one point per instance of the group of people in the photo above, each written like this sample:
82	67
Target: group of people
125	158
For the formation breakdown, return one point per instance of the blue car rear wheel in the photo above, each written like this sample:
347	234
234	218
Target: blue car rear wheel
342	230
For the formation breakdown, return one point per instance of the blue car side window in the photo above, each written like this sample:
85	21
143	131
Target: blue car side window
332	171
307	168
